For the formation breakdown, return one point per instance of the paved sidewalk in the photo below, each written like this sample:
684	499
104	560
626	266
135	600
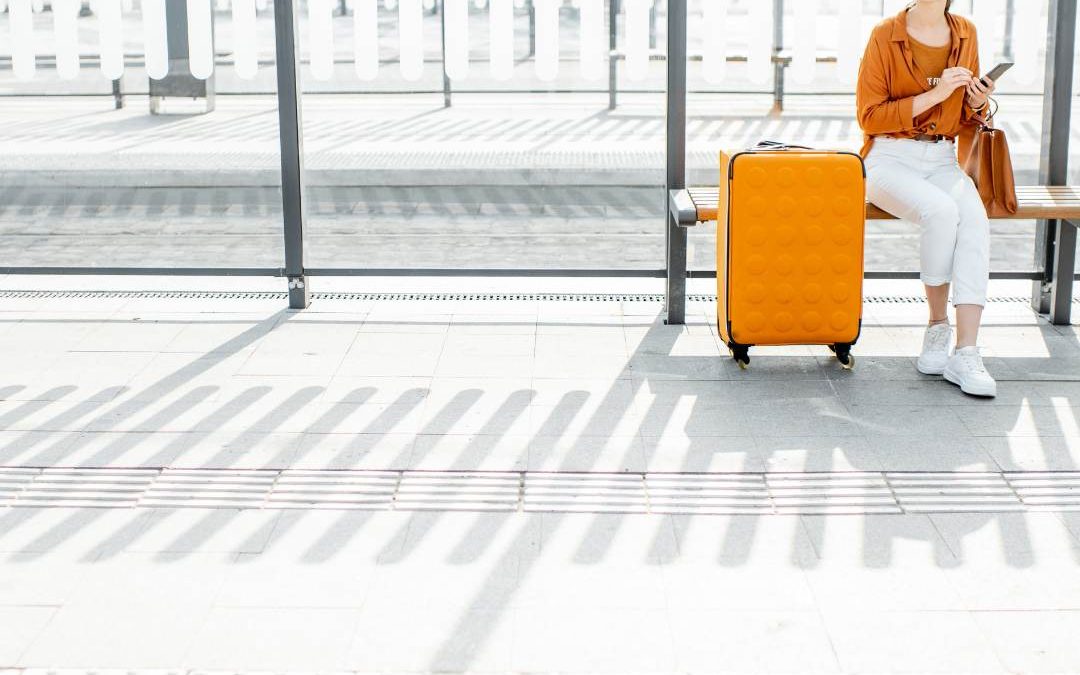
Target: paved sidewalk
540	479
388	140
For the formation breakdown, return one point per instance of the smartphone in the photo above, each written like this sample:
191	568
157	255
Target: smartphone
997	72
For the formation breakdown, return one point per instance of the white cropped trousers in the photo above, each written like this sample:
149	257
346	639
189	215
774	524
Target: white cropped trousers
923	183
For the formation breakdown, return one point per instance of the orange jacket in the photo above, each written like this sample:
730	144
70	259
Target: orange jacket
889	81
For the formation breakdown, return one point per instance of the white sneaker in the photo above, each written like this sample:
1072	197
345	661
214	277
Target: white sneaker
966	370
935	349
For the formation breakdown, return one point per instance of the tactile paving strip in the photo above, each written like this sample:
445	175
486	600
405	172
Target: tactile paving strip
557	492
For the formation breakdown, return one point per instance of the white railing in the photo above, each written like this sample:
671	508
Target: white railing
815	27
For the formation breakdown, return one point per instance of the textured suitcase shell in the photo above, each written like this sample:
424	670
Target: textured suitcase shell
790	234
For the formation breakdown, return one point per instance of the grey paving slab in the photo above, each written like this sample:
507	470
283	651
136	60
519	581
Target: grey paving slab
752	641
257	638
909	641
124	636
1029	641
21	626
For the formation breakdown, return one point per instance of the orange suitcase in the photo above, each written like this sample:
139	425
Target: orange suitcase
789	249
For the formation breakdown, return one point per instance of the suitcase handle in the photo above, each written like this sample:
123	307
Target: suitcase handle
778	145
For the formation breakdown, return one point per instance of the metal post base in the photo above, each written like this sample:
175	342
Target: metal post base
299	293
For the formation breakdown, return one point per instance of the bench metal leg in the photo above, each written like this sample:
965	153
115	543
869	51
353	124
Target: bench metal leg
676	159
1061	297
291	132
1054	163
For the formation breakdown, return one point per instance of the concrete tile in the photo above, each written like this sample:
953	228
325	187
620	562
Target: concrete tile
20	626
69	533
578	417
877	541
743	541
470	453
358	389
751	641
273	639
35	448
45	582
604	585
221	334
943	453
1017	539
1026	453
483	365
591	538
676	453
239	450
895	642
1049	583
115	636
312	537
1022	420
841	588
1033	642
129	336
419	583
432	639
180	580
780	586
807	454
365	418
478	411
292	363
569	365
272	582
908	420
377	451
196	530
596	641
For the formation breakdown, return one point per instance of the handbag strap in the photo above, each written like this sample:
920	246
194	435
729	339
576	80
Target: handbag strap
987	120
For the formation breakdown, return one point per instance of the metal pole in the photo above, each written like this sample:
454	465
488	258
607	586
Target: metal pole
1010	14
290	130
532	29
676	159
613	62
652	25
118	94
778	66
1055	240
442	36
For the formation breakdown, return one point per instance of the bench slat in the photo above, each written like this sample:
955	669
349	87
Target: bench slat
1035	201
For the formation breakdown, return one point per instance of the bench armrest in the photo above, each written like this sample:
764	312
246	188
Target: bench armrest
682	208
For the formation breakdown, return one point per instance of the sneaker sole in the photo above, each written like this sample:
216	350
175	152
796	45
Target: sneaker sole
989	392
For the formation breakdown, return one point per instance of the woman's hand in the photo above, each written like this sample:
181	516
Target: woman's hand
978	91
951	80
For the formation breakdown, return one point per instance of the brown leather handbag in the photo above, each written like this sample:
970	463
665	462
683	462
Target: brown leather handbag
990	166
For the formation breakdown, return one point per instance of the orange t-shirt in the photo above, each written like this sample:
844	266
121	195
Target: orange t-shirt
889	81
932	61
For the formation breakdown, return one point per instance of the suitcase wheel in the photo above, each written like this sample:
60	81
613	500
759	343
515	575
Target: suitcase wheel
843	355
741	354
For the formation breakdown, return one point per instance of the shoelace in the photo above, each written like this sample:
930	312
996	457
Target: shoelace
973	362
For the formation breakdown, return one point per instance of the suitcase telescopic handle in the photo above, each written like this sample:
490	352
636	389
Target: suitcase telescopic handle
777	145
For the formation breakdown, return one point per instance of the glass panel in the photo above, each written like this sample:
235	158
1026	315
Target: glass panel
731	99
527	168
160	181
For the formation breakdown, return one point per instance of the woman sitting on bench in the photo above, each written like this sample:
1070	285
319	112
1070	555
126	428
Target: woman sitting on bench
917	92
